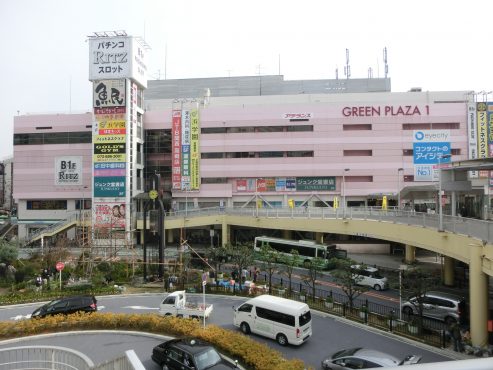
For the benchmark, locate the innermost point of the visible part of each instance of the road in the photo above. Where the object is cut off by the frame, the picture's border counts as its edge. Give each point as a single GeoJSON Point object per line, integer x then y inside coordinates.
{"type": "Point", "coordinates": [329, 333]}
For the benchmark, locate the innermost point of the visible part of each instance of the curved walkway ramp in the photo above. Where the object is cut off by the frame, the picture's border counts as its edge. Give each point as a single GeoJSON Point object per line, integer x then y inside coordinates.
{"type": "Point", "coordinates": [467, 240]}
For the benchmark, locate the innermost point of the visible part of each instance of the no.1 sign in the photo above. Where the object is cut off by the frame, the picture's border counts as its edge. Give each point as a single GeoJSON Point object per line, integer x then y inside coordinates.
{"type": "Point", "coordinates": [59, 266]}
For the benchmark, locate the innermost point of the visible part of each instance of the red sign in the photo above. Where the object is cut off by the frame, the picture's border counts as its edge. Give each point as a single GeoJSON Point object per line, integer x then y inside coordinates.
{"type": "Point", "coordinates": [60, 266]}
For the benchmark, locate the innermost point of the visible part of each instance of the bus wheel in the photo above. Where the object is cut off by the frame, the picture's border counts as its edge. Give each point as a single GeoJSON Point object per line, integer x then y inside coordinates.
{"type": "Point", "coordinates": [282, 340]}
{"type": "Point", "coordinates": [245, 328]}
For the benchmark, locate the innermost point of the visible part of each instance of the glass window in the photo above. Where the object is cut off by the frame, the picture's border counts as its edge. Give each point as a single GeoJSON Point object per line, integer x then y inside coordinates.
{"type": "Point", "coordinates": [56, 138]}
{"type": "Point", "coordinates": [46, 204]}
{"type": "Point", "coordinates": [270, 154]}
{"type": "Point", "coordinates": [301, 153]}
{"type": "Point", "coordinates": [169, 300]}
{"type": "Point", "coordinates": [245, 308]}
{"type": "Point", "coordinates": [305, 318]}
{"type": "Point", "coordinates": [300, 128]}
{"type": "Point", "coordinates": [270, 129]}
{"type": "Point", "coordinates": [213, 130]}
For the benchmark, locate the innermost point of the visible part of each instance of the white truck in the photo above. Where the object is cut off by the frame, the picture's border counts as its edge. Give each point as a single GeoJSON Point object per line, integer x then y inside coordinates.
{"type": "Point", "coordinates": [175, 304]}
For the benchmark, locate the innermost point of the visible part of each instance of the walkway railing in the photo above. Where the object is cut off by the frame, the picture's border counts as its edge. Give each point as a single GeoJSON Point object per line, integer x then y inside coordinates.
{"type": "Point", "coordinates": [480, 229]}
{"type": "Point", "coordinates": [53, 357]}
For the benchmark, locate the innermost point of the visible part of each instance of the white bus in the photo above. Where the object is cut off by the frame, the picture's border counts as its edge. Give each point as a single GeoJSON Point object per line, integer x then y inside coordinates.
{"type": "Point", "coordinates": [307, 249]}
{"type": "Point", "coordinates": [286, 321]}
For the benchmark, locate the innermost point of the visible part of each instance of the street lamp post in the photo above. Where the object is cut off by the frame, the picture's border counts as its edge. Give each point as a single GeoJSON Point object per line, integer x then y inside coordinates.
{"type": "Point", "coordinates": [440, 207]}
{"type": "Point", "coordinates": [344, 192]}
{"type": "Point", "coordinates": [399, 170]}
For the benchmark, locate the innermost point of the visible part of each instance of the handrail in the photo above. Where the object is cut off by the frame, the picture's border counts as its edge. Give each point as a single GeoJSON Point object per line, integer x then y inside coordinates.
{"type": "Point", "coordinates": [479, 229]}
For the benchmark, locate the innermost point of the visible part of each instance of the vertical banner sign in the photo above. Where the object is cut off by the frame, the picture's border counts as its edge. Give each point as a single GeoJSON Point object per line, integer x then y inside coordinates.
{"type": "Point", "coordinates": [473, 135]}
{"type": "Point", "coordinates": [194, 150]}
{"type": "Point", "coordinates": [176, 150]}
{"type": "Point", "coordinates": [185, 149]}
{"type": "Point", "coordinates": [489, 107]}
{"type": "Point", "coordinates": [482, 134]}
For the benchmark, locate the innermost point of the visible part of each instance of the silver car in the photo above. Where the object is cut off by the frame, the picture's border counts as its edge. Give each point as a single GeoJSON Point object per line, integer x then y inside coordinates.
{"type": "Point", "coordinates": [437, 305]}
{"type": "Point", "coordinates": [362, 358]}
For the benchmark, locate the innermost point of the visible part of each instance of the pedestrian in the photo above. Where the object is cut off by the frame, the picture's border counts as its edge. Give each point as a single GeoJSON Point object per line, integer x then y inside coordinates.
{"type": "Point", "coordinates": [255, 274]}
{"type": "Point", "coordinates": [38, 282]}
{"type": "Point", "coordinates": [456, 335]}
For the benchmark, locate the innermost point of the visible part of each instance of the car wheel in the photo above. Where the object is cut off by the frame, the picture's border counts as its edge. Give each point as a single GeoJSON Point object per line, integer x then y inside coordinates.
{"type": "Point", "coordinates": [377, 287]}
{"type": "Point", "coordinates": [408, 311]}
{"type": "Point", "coordinates": [245, 328]}
{"type": "Point", "coordinates": [282, 340]}
{"type": "Point", "coordinates": [165, 367]}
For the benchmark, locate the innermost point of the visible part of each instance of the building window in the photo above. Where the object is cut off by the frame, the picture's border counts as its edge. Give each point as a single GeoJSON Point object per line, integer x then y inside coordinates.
{"type": "Point", "coordinates": [46, 204]}
{"type": "Point", "coordinates": [359, 179]}
{"type": "Point", "coordinates": [361, 127]}
{"type": "Point", "coordinates": [299, 128]}
{"type": "Point", "coordinates": [77, 137]}
{"type": "Point", "coordinates": [431, 126]}
{"type": "Point", "coordinates": [213, 130]}
{"type": "Point", "coordinates": [300, 153]}
{"type": "Point", "coordinates": [269, 129]}
{"type": "Point", "coordinates": [455, 151]}
{"type": "Point", "coordinates": [214, 180]}
{"type": "Point", "coordinates": [212, 155]}
{"type": "Point", "coordinates": [407, 152]}
{"type": "Point", "coordinates": [239, 130]}
{"type": "Point", "coordinates": [408, 178]}
{"type": "Point", "coordinates": [270, 154]}
{"type": "Point", "coordinates": [358, 153]}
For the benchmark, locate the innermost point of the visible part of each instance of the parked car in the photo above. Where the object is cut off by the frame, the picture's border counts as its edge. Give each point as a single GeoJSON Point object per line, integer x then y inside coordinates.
{"type": "Point", "coordinates": [437, 305]}
{"type": "Point", "coordinates": [362, 358]}
{"type": "Point", "coordinates": [189, 354]}
{"type": "Point", "coordinates": [369, 276]}
{"type": "Point", "coordinates": [67, 306]}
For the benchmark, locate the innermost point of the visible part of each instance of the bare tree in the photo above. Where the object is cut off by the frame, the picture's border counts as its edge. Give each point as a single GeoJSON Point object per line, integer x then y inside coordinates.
{"type": "Point", "coordinates": [289, 263]}
{"type": "Point", "coordinates": [347, 277]}
{"type": "Point", "coordinates": [314, 270]}
{"type": "Point", "coordinates": [269, 257]}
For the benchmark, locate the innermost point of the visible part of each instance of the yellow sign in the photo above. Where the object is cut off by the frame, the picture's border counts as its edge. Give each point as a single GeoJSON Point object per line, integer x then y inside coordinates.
{"type": "Point", "coordinates": [109, 157]}
{"type": "Point", "coordinates": [100, 139]}
{"type": "Point", "coordinates": [336, 203]}
{"type": "Point", "coordinates": [111, 124]}
{"type": "Point", "coordinates": [384, 202]}
{"type": "Point", "coordinates": [291, 203]}
{"type": "Point", "coordinates": [194, 150]}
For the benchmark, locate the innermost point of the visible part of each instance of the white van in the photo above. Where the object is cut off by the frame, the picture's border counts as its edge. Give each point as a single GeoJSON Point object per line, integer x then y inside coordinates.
{"type": "Point", "coordinates": [286, 321]}
{"type": "Point", "coordinates": [369, 276]}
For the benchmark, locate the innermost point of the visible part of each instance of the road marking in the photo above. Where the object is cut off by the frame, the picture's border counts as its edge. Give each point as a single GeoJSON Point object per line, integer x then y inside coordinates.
{"type": "Point", "coordinates": [20, 317]}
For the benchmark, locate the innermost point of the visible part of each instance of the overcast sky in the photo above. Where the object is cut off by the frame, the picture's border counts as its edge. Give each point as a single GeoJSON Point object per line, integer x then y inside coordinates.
{"type": "Point", "coordinates": [436, 45]}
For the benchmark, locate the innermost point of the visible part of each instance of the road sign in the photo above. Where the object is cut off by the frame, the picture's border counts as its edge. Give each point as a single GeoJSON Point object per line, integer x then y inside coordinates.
{"type": "Point", "coordinates": [204, 283]}
{"type": "Point", "coordinates": [60, 266]}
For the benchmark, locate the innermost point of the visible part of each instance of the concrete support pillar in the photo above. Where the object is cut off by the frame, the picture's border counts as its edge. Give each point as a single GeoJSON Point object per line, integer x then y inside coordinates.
{"type": "Point", "coordinates": [448, 271]}
{"type": "Point", "coordinates": [410, 254]}
{"type": "Point", "coordinates": [287, 234]}
{"type": "Point", "coordinates": [319, 238]}
{"type": "Point", "coordinates": [453, 202]}
{"type": "Point", "coordinates": [225, 234]}
{"type": "Point", "coordinates": [478, 297]}
{"type": "Point", "coordinates": [169, 236]}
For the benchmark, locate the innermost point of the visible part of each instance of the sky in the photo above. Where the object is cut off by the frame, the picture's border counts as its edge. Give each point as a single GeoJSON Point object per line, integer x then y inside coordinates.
{"type": "Point", "coordinates": [436, 45]}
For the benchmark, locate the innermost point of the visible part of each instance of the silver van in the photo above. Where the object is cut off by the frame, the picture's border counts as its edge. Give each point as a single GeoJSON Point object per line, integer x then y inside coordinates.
{"type": "Point", "coordinates": [437, 305]}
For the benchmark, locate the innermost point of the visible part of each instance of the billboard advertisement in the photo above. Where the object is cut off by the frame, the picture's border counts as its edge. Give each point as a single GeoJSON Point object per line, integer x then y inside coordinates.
{"type": "Point", "coordinates": [118, 57]}
{"type": "Point", "coordinates": [473, 135]}
{"type": "Point", "coordinates": [194, 149]}
{"type": "Point", "coordinates": [185, 149]}
{"type": "Point", "coordinates": [110, 215]}
{"type": "Point", "coordinates": [428, 147]}
{"type": "Point", "coordinates": [68, 170]}
{"type": "Point", "coordinates": [109, 93]}
{"type": "Point", "coordinates": [109, 186]}
{"type": "Point", "coordinates": [176, 149]}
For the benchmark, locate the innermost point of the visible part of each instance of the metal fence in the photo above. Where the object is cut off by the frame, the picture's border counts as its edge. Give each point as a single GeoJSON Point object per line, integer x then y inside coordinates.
{"type": "Point", "coordinates": [377, 315]}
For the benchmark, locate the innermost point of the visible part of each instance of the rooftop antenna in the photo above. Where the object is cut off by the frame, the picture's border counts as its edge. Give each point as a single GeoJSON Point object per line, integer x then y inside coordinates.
{"type": "Point", "coordinates": [386, 66]}
{"type": "Point", "coordinates": [279, 64]}
{"type": "Point", "coordinates": [347, 67]}
{"type": "Point", "coordinates": [370, 72]}
{"type": "Point", "coordinates": [337, 73]}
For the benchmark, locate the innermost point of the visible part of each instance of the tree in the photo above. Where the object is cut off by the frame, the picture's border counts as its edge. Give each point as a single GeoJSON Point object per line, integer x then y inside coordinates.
{"type": "Point", "coordinates": [289, 262]}
{"type": "Point", "coordinates": [8, 252]}
{"type": "Point", "coordinates": [242, 257]}
{"type": "Point", "coordinates": [269, 257]}
{"type": "Point", "coordinates": [216, 256]}
{"type": "Point", "coordinates": [415, 283]}
{"type": "Point", "coordinates": [346, 276]}
{"type": "Point", "coordinates": [314, 270]}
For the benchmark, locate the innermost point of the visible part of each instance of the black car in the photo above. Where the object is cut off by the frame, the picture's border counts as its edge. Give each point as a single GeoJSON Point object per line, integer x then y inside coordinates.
{"type": "Point", "coordinates": [67, 306]}
{"type": "Point", "coordinates": [189, 354]}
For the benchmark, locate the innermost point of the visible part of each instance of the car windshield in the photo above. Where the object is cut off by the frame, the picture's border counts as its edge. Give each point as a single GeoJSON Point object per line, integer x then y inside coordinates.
{"type": "Point", "coordinates": [52, 303]}
{"type": "Point", "coordinates": [345, 352]}
{"type": "Point", "coordinates": [207, 359]}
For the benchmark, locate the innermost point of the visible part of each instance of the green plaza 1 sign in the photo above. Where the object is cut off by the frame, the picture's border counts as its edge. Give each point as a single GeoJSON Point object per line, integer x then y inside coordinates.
{"type": "Point", "coordinates": [315, 183]}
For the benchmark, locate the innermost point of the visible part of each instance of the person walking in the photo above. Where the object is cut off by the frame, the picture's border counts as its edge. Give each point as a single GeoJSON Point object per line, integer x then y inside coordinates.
{"type": "Point", "coordinates": [456, 335]}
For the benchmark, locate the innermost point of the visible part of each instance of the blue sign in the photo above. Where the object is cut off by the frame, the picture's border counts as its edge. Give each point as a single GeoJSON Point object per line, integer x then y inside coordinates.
{"type": "Point", "coordinates": [430, 152]}
{"type": "Point", "coordinates": [109, 187]}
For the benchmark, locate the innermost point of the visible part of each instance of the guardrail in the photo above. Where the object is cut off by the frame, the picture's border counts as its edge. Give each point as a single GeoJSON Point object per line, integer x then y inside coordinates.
{"type": "Point", "coordinates": [53, 357]}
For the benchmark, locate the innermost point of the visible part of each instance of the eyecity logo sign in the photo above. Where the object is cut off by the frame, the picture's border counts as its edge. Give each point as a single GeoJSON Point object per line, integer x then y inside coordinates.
{"type": "Point", "coordinates": [432, 136]}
